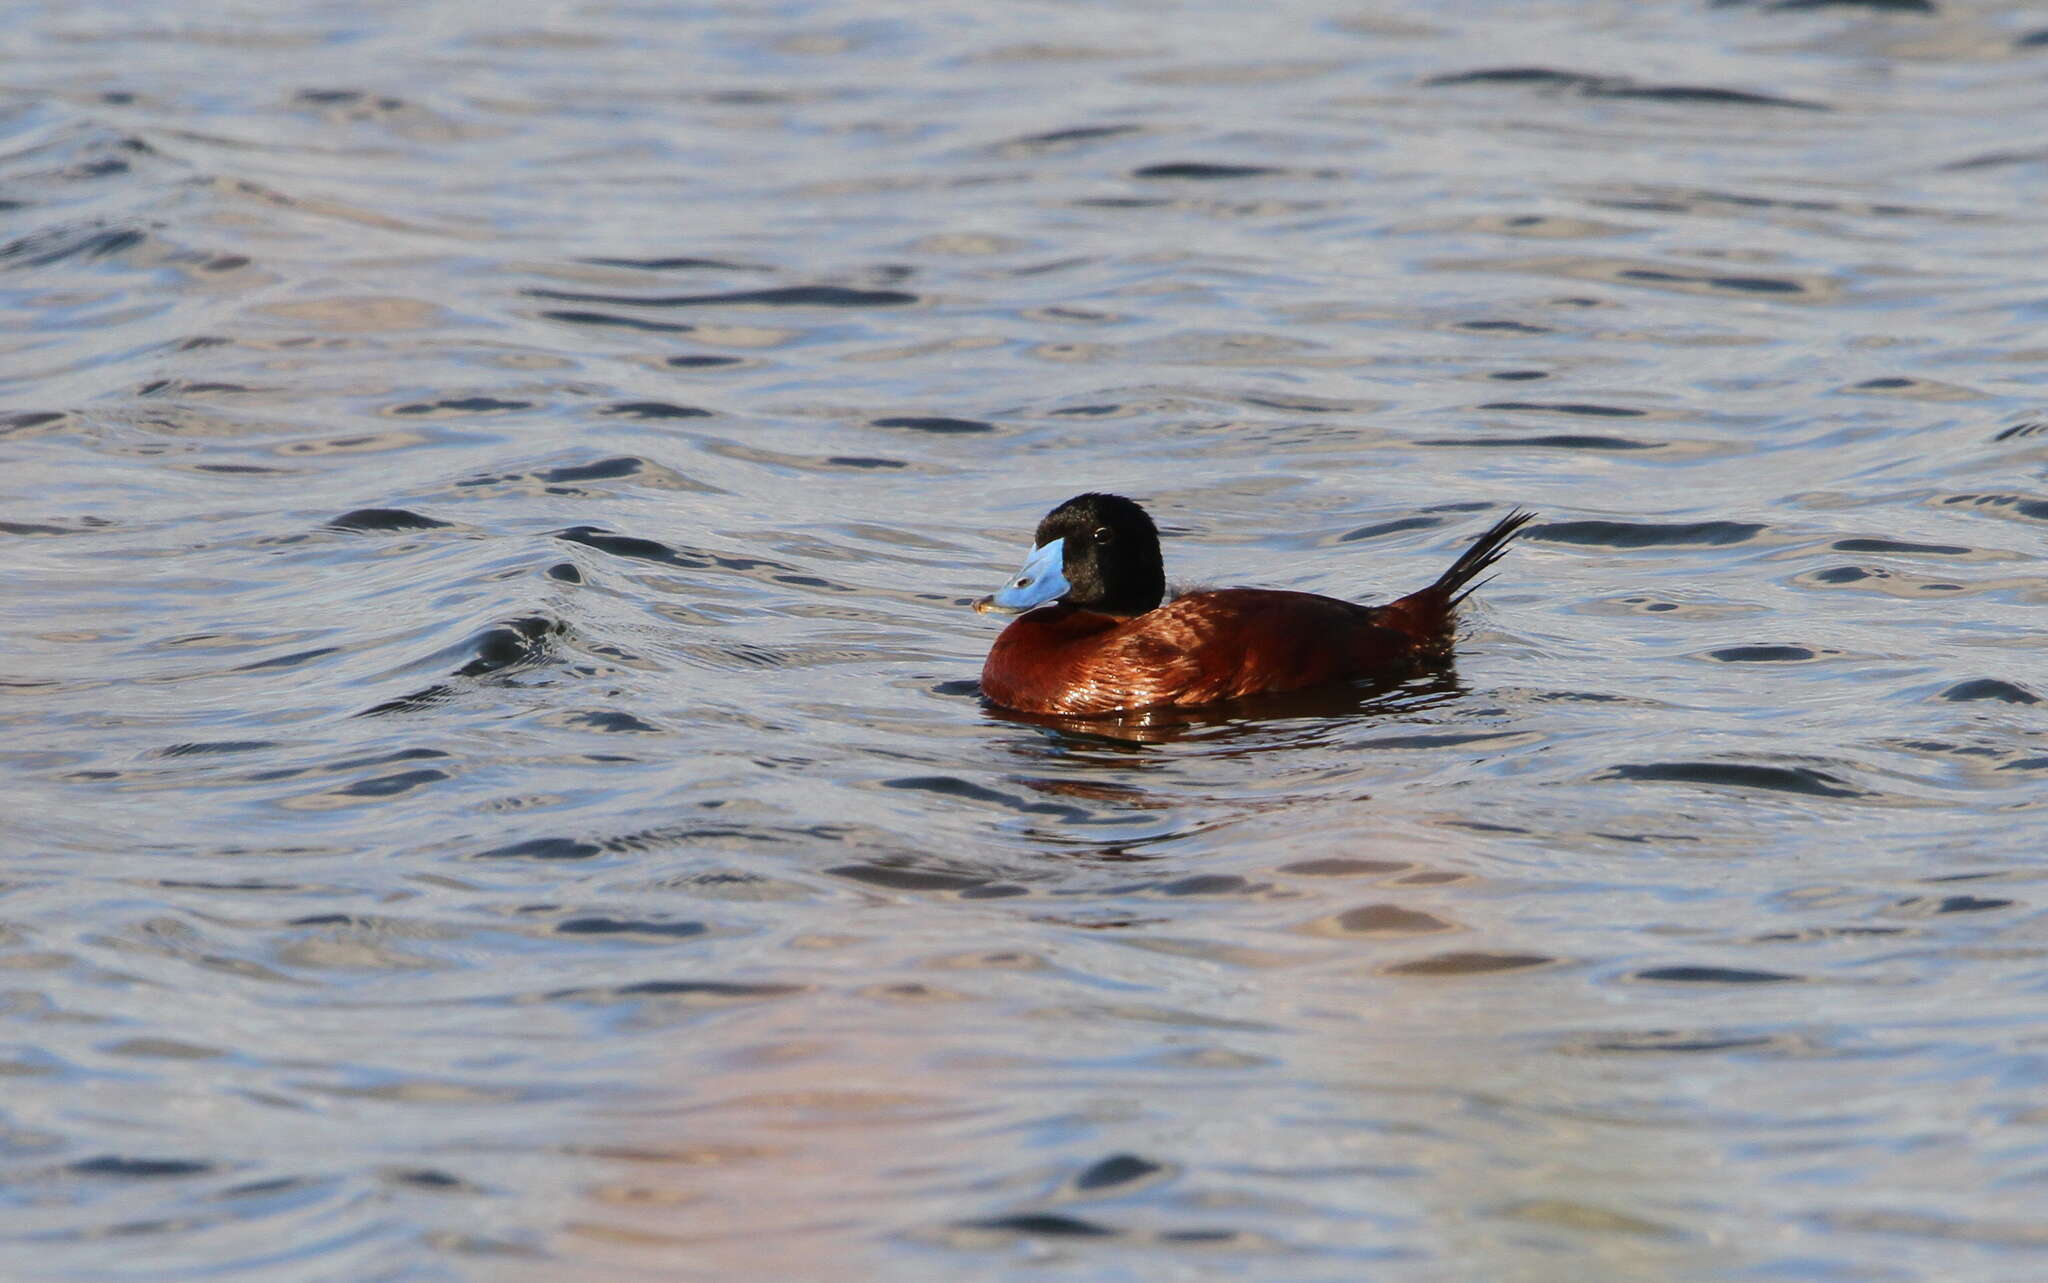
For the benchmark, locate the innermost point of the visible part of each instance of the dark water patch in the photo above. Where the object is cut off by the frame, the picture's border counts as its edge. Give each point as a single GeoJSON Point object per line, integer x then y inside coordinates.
{"type": "Point", "coordinates": [1740, 284]}
{"type": "Point", "coordinates": [632, 547]}
{"type": "Point", "coordinates": [202, 748]}
{"type": "Point", "coordinates": [1207, 884]}
{"type": "Point", "coordinates": [141, 1168]}
{"type": "Point", "coordinates": [292, 660]}
{"type": "Point", "coordinates": [181, 387]}
{"type": "Point", "coordinates": [555, 848]}
{"type": "Point", "coordinates": [384, 521]}
{"type": "Point", "coordinates": [2032, 40]}
{"type": "Point", "coordinates": [1089, 411]}
{"type": "Point", "coordinates": [1502, 327]}
{"type": "Point", "coordinates": [1118, 1170]}
{"type": "Point", "coordinates": [1807, 935]}
{"type": "Point", "coordinates": [392, 785]}
{"type": "Point", "coordinates": [1078, 134]}
{"type": "Point", "coordinates": [1899, 546]}
{"type": "Point", "coordinates": [637, 549]}
{"type": "Point", "coordinates": [934, 423]}
{"type": "Point", "coordinates": [1555, 441]}
{"type": "Point", "coordinates": [864, 461]}
{"type": "Point", "coordinates": [966, 687]}
{"type": "Point", "coordinates": [628, 926]}
{"type": "Point", "coordinates": [1341, 866]}
{"type": "Point", "coordinates": [1931, 905]}
{"type": "Point", "coordinates": [1202, 170]}
{"type": "Point", "coordinates": [1441, 739]}
{"type": "Point", "coordinates": [1207, 1236]}
{"type": "Point", "coordinates": [2031, 428]}
{"type": "Point", "coordinates": [1999, 159]}
{"type": "Point", "coordinates": [1044, 1225]}
{"type": "Point", "coordinates": [247, 884]}
{"type": "Point", "coordinates": [1781, 779]}
{"type": "Point", "coordinates": [653, 410]}
{"type": "Point", "coordinates": [1708, 95]}
{"type": "Point", "coordinates": [1714, 976]}
{"type": "Point", "coordinates": [994, 891]}
{"type": "Point", "coordinates": [952, 786]}
{"type": "Point", "coordinates": [787, 296]}
{"type": "Point", "coordinates": [37, 529]}
{"type": "Point", "coordinates": [1593, 86]}
{"type": "Point", "coordinates": [430, 1178]}
{"type": "Point", "coordinates": [564, 572]}
{"type": "Point", "coordinates": [1389, 528]}
{"type": "Point", "coordinates": [27, 420]}
{"type": "Point", "coordinates": [1942, 748]}
{"type": "Point", "coordinates": [58, 244]}
{"type": "Point", "coordinates": [1681, 1042]}
{"type": "Point", "coordinates": [900, 878]}
{"type": "Point", "coordinates": [602, 319]}
{"type": "Point", "coordinates": [2018, 505]}
{"type": "Point", "coordinates": [683, 264]}
{"type": "Point", "coordinates": [700, 361]}
{"type": "Point", "coordinates": [1469, 963]}
{"type": "Point", "coordinates": [617, 468]}
{"type": "Point", "coordinates": [706, 991]}
{"type": "Point", "coordinates": [1884, 384]}
{"type": "Point", "coordinates": [1844, 575]}
{"type": "Point", "coordinates": [417, 701]}
{"type": "Point", "coordinates": [352, 763]}
{"type": "Point", "coordinates": [1582, 408]}
{"type": "Point", "coordinates": [1761, 654]}
{"type": "Point", "coordinates": [1518, 376]}
{"type": "Point", "coordinates": [1989, 688]}
{"type": "Point", "coordinates": [1542, 77]}
{"type": "Point", "coordinates": [1388, 919]}
{"type": "Point", "coordinates": [1634, 534]}
{"type": "Point", "coordinates": [613, 722]}
{"type": "Point", "coordinates": [275, 1185]}
{"type": "Point", "coordinates": [461, 405]}
{"type": "Point", "coordinates": [85, 171]}
{"type": "Point", "coordinates": [515, 642]}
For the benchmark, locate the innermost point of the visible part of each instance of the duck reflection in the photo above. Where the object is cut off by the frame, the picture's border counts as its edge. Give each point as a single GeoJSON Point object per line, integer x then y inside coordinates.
{"type": "Point", "coordinates": [1261, 718]}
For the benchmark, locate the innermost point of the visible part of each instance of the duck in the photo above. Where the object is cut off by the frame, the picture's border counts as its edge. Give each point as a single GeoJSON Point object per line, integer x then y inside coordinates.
{"type": "Point", "coordinates": [1096, 633]}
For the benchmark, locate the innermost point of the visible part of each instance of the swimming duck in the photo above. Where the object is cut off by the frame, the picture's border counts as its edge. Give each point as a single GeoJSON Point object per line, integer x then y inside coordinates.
{"type": "Point", "coordinates": [1093, 636]}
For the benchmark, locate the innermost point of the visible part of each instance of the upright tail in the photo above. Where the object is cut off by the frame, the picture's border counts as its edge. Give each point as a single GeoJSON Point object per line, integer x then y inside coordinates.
{"type": "Point", "coordinates": [1485, 550]}
{"type": "Point", "coordinates": [1425, 615]}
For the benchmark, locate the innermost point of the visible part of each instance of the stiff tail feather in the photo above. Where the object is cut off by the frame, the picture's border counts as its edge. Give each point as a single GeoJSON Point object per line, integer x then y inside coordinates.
{"type": "Point", "coordinates": [1480, 557]}
{"type": "Point", "coordinates": [1425, 615]}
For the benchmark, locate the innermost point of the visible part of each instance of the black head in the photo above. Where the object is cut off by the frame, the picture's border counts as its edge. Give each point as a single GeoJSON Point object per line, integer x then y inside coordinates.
{"type": "Point", "coordinates": [1112, 561]}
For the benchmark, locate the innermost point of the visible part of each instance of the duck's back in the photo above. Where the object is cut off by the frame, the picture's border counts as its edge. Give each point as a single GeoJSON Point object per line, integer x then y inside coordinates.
{"type": "Point", "coordinates": [1197, 649]}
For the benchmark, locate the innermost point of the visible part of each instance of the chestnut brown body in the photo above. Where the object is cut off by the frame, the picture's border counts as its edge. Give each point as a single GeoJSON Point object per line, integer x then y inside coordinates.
{"type": "Point", "coordinates": [1211, 646]}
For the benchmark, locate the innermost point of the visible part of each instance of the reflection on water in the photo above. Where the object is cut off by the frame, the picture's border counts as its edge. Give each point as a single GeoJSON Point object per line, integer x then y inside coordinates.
{"type": "Point", "coordinates": [498, 788]}
{"type": "Point", "coordinates": [1260, 721]}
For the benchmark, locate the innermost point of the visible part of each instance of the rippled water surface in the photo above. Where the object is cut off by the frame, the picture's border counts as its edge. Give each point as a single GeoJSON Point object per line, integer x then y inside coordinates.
{"type": "Point", "coordinates": [494, 781]}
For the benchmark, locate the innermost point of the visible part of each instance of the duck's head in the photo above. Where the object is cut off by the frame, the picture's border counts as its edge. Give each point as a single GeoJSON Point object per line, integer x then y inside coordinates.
{"type": "Point", "coordinates": [1096, 551]}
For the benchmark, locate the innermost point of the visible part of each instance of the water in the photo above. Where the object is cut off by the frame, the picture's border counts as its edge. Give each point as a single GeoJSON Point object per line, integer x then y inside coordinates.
{"type": "Point", "coordinates": [493, 779]}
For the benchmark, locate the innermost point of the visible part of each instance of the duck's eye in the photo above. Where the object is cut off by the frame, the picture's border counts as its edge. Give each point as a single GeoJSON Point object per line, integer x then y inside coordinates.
{"type": "Point", "coordinates": [1023, 581]}
{"type": "Point", "coordinates": [1103, 534]}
